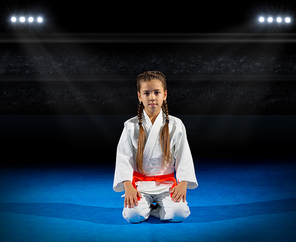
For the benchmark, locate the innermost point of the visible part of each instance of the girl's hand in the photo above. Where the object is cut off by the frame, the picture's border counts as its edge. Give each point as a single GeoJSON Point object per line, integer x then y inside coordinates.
{"type": "Point", "coordinates": [131, 195]}
{"type": "Point", "coordinates": [179, 192]}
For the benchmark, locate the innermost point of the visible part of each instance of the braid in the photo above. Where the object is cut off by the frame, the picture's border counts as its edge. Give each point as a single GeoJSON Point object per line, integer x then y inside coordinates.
{"type": "Point", "coordinates": [165, 110]}
{"type": "Point", "coordinates": [141, 141]}
{"type": "Point", "coordinates": [165, 138]}
{"type": "Point", "coordinates": [160, 75]}
{"type": "Point", "coordinates": [140, 111]}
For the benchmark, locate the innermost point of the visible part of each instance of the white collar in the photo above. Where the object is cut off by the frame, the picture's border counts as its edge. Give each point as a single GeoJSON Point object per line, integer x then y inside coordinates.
{"type": "Point", "coordinates": [147, 121]}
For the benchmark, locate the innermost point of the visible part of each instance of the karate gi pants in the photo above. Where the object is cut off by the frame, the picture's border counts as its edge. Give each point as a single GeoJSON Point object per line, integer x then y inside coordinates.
{"type": "Point", "coordinates": [167, 209]}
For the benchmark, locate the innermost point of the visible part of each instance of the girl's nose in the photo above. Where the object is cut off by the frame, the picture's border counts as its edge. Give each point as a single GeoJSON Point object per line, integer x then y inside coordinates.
{"type": "Point", "coordinates": [152, 96]}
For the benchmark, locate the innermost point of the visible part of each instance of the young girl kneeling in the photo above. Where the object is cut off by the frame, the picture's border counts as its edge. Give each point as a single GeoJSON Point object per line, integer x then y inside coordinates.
{"type": "Point", "coordinates": [152, 147]}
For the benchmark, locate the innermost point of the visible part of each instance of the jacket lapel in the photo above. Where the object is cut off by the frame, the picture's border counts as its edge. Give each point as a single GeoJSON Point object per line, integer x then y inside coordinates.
{"type": "Point", "coordinates": [152, 132]}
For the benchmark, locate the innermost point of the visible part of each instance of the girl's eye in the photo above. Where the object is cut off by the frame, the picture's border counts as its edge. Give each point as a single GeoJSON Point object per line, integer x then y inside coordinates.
{"type": "Point", "coordinates": [156, 93]}
{"type": "Point", "coordinates": [146, 93]}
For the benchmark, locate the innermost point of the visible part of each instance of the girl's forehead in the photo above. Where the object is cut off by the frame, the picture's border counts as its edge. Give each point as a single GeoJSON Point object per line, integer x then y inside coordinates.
{"type": "Point", "coordinates": [152, 84]}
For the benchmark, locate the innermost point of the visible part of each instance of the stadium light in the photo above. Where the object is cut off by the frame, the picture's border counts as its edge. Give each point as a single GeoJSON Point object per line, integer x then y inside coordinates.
{"type": "Point", "coordinates": [261, 19]}
{"type": "Point", "coordinates": [270, 19]}
{"type": "Point", "coordinates": [29, 19]}
{"type": "Point", "coordinates": [22, 19]}
{"type": "Point", "coordinates": [13, 19]}
{"type": "Point", "coordinates": [287, 19]}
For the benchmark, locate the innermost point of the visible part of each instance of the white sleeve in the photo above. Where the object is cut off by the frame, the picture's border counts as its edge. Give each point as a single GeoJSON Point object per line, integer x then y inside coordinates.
{"type": "Point", "coordinates": [184, 163]}
{"type": "Point", "coordinates": [124, 161]}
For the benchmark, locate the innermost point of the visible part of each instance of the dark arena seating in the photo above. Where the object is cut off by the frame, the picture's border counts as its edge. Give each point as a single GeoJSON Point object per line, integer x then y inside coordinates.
{"type": "Point", "coordinates": [202, 78]}
{"type": "Point", "coordinates": [27, 59]}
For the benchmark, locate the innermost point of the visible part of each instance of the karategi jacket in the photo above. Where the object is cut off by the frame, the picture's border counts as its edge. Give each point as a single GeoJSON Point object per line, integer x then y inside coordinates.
{"type": "Point", "coordinates": [182, 162]}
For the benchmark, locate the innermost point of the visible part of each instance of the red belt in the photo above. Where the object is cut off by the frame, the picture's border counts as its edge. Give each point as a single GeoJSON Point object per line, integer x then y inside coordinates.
{"type": "Point", "coordinates": [140, 177]}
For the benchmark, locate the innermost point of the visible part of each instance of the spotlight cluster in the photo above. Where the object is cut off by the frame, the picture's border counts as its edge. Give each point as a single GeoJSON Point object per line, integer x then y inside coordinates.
{"type": "Point", "coordinates": [271, 19]}
{"type": "Point", "coordinates": [28, 19]}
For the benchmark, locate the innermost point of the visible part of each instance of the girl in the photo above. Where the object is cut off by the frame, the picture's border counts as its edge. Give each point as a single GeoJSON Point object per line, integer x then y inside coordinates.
{"type": "Point", "coordinates": [151, 148]}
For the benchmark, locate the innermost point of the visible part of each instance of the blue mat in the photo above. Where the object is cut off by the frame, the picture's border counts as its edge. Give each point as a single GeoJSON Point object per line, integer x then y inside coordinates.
{"type": "Point", "coordinates": [255, 202]}
{"type": "Point", "coordinates": [101, 215]}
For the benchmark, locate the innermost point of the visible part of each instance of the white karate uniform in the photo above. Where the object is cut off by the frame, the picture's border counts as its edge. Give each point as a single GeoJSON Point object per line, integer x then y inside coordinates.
{"type": "Point", "coordinates": [182, 164]}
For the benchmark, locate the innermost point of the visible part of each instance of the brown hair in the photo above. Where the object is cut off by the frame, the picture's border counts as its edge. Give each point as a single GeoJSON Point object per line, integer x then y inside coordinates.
{"type": "Point", "coordinates": [164, 134]}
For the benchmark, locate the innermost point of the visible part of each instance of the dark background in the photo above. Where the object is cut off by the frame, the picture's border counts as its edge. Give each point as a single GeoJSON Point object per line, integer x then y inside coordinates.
{"type": "Point", "coordinates": [79, 113]}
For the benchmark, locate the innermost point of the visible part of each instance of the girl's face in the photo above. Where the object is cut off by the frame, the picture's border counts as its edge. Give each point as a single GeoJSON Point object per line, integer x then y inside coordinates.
{"type": "Point", "coordinates": [152, 94]}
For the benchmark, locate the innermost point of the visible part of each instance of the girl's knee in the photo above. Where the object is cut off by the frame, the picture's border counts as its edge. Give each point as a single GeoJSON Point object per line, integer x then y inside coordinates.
{"type": "Point", "coordinates": [181, 212]}
{"type": "Point", "coordinates": [177, 212]}
{"type": "Point", "coordinates": [136, 214]}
